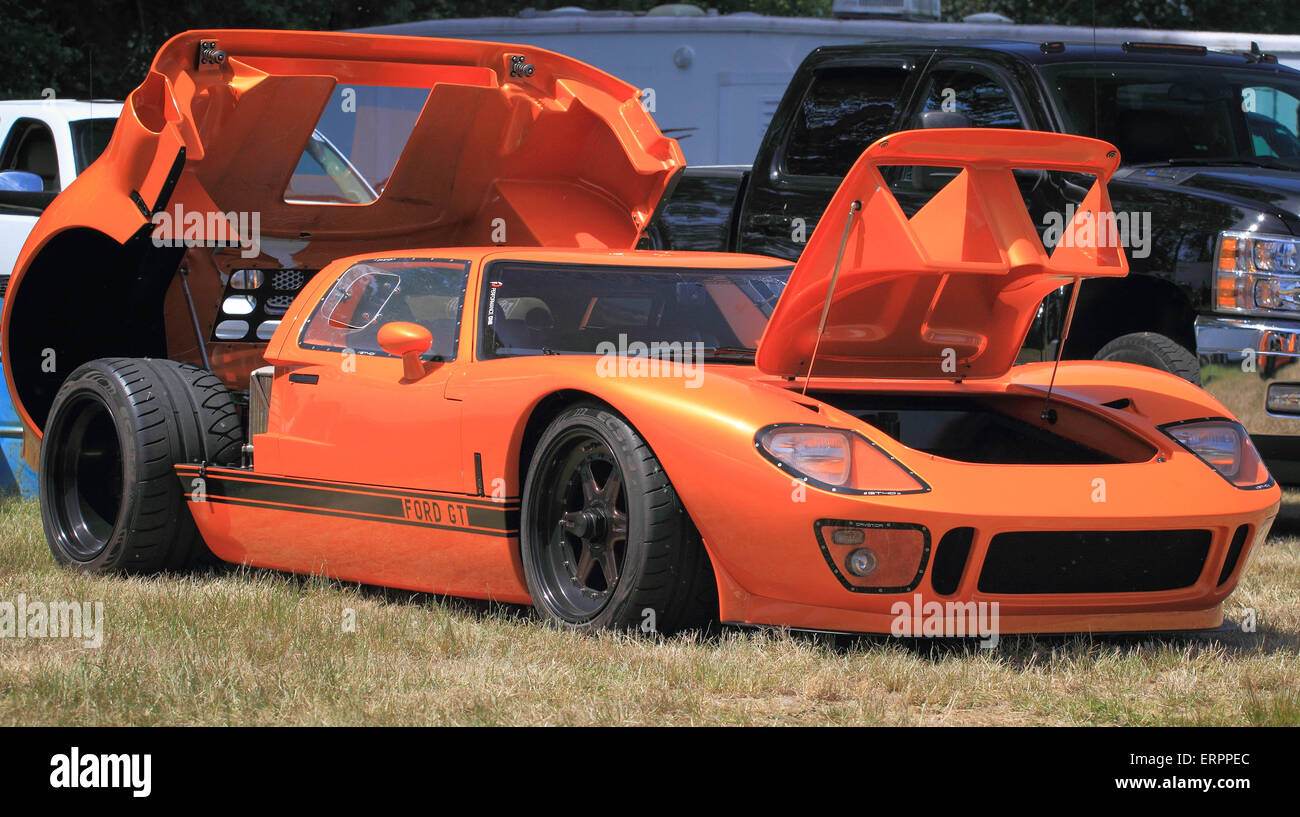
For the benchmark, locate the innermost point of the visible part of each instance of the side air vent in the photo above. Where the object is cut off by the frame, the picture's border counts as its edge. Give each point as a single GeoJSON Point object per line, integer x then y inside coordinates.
{"type": "Point", "coordinates": [950, 560]}
{"type": "Point", "coordinates": [1234, 553]}
{"type": "Point", "coordinates": [259, 400]}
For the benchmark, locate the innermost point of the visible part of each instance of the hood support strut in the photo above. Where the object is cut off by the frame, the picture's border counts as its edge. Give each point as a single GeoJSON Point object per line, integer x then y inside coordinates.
{"type": "Point", "coordinates": [830, 293]}
{"type": "Point", "coordinates": [1049, 414]}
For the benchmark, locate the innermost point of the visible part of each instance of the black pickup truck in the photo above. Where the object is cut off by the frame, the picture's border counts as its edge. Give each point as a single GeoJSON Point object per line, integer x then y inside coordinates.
{"type": "Point", "coordinates": [1207, 200]}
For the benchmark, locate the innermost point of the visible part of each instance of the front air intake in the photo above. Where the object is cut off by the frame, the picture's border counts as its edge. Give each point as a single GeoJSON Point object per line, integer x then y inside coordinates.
{"type": "Point", "coordinates": [1138, 561]}
{"type": "Point", "coordinates": [950, 557]}
{"type": "Point", "coordinates": [1234, 553]}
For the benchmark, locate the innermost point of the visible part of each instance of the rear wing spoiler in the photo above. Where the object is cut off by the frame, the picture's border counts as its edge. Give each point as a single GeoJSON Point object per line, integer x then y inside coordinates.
{"type": "Point", "coordinates": [997, 236]}
{"type": "Point", "coordinates": [963, 276]}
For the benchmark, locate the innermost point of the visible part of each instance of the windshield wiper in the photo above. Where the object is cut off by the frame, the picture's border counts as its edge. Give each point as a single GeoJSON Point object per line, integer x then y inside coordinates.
{"type": "Point", "coordinates": [737, 353]}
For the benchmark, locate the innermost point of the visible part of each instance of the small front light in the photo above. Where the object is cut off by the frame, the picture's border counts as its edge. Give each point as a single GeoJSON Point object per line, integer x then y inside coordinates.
{"type": "Point", "coordinates": [848, 536]}
{"type": "Point", "coordinates": [1264, 253]}
{"type": "Point", "coordinates": [861, 562]}
{"type": "Point", "coordinates": [1224, 446]}
{"type": "Point", "coordinates": [821, 454]}
{"type": "Point", "coordinates": [1284, 398]}
{"type": "Point", "coordinates": [1268, 294]}
{"type": "Point", "coordinates": [835, 459]}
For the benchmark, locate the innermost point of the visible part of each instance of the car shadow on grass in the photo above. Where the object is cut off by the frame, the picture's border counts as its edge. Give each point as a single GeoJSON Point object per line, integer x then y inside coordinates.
{"type": "Point", "coordinates": [1014, 649]}
{"type": "Point", "coordinates": [481, 610]}
{"type": "Point", "coordinates": [1024, 650]}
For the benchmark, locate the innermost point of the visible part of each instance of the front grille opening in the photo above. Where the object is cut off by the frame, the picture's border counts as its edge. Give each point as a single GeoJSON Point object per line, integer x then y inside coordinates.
{"type": "Point", "coordinates": [1234, 553]}
{"type": "Point", "coordinates": [1094, 561]}
{"type": "Point", "coordinates": [950, 560]}
{"type": "Point", "coordinates": [995, 428]}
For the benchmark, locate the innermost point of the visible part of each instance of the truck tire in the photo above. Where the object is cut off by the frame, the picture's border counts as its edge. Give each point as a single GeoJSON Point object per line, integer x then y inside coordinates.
{"type": "Point", "coordinates": [1154, 350]}
{"type": "Point", "coordinates": [110, 498]}
{"type": "Point", "coordinates": [605, 541]}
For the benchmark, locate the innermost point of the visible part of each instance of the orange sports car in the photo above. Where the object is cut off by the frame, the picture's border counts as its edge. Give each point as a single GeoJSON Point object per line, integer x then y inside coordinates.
{"type": "Point", "coordinates": [493, 395]}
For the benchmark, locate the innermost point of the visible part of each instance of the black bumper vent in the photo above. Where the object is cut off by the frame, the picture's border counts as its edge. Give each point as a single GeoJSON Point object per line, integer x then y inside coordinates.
{"type": "Point", "coordinates": [1094, 561]}
{"type": "Point", "coordinates": [950, 560]}
{"type": "Point", "coordinates": [1234, 553]}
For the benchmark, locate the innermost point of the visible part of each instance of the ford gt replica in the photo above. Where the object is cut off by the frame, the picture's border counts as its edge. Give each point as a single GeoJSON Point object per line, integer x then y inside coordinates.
{"type": "Point", "coordinates": [553, 417]}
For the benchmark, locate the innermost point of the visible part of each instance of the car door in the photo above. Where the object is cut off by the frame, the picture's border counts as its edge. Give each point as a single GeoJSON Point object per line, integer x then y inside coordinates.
{"type": "Point", "coordinates": [343, 409]}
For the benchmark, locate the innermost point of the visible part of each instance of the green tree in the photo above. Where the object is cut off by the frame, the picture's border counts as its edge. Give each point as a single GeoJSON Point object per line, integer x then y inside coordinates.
{"type": "Point", "coordinates": [105, 49]}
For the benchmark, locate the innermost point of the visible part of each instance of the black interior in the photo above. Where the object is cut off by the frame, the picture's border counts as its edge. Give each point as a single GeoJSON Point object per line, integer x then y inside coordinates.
{"type": "Point", "coordinates": [963, 429]}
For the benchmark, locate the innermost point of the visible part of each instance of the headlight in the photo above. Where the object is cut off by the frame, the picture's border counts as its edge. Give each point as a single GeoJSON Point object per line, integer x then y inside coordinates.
{"type": "Point", "coordinates": [1224, 446]}
{"type": "Point", "coordinates": [835, 459]}
{"type": "Point", "coordinates": [1257, 273]}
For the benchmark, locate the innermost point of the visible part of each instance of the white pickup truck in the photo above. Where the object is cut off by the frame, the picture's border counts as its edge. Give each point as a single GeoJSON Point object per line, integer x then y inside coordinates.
{"type": "Point", "coordinates": [44, 144]}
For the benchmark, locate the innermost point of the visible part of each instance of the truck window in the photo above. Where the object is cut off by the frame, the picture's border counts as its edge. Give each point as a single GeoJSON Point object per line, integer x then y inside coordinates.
{"type": "Point", "coordinates": [844, 111]}
{"type": "Point", "coordinates": [1271, 121]}
{"type": "Point", "coordinates": [373, 293]}
{"type": "Point", "coordinates": [975, 95]}
{"type": "Point", "coordinates": [30, 147]}
{"type": "Point", "coordinates": [1185, 113]}
{"type": "Point", "coordinates": [89, 138]}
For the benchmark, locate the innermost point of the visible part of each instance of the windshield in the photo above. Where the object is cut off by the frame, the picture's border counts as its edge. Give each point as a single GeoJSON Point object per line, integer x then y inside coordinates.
{"type": "Point", "coordinates": [1182, 114]}
{"type": "Point", "coordinates": [530, 308]}
{"type": "Point", "coordinates": [89, 138]}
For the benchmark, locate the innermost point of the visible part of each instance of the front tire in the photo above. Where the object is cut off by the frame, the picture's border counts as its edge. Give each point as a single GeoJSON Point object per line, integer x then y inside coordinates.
{"type": "Point", "coordinates": [110, 498]}
{"type": "Point", "coordinates": [606, 543]}
{"type": "Point", "coordinates": [1154, 350]}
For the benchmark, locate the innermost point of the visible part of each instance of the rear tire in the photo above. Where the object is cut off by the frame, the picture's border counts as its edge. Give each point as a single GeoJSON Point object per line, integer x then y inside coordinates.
{"type": "Point", "coordinates": [606, 543]}
{"type": "Point", "coordinates": [1154, 350]}
{"type": "Point", "coordinates": [110, 498]}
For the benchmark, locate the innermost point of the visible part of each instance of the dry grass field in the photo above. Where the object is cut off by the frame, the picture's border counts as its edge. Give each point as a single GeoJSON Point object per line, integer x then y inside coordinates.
{"type": "Point", "coordinates": [257, 647]}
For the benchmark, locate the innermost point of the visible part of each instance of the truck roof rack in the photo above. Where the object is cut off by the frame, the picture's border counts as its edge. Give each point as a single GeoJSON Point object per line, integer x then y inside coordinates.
{"type": "Point", "coordinates": [1254, 55]}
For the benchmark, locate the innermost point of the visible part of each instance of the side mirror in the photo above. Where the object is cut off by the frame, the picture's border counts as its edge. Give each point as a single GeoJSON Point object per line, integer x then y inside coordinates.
{"type": "Point", "coordinates": [21, 181]}
{"type": "Point", "coordinates": [944, 119]}
{"type": "Point", "coordinates": [931, 179]}
{"type": "Point", "coordinates": [408, 341]}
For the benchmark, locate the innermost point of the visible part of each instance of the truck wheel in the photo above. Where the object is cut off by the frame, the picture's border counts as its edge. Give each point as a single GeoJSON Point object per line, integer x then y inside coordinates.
{"type": "Point", "coordinates": [1154, 350]}
{"type": "Point", "coordinates": [606, 543]}
{"type": "Point", "coordinates": [110, 499]}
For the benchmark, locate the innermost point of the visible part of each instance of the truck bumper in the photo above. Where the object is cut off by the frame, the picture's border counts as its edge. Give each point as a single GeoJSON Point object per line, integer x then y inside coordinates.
{"type": "Point", "coordinates": [1252, 366]}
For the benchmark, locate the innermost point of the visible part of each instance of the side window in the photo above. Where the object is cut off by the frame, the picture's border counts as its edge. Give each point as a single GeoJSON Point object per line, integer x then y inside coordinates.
{"type": "Point", "coordinates": [844, 111]}
{"type": "Point", "coordinates": [974, 95]}
{"type": "Point", "coordinates": [1272, 118]}
{"type": "Point", "coordinates": [30, 147]}
{"type": "Point", "coordinates": [373, 293]}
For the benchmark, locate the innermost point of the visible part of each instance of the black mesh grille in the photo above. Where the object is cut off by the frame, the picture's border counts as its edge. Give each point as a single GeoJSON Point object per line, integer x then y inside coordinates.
{"type": "Point", "coordinates": [1234, 552]}
{"type": "Point", "coordinates": [265, 303]}
{"type": "Point", "coordinates": [950, 560]}
{"type": "Point", "coordinates": [1094, 561]}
